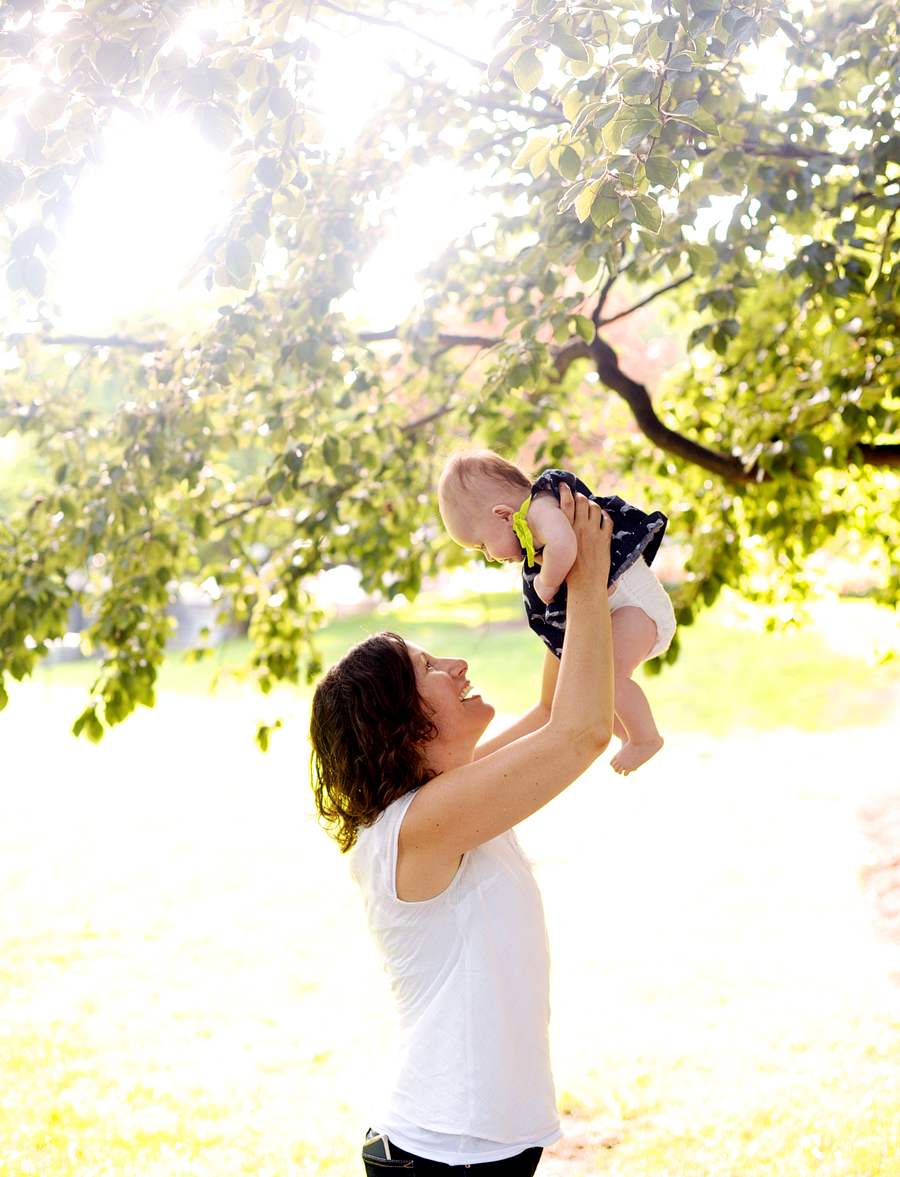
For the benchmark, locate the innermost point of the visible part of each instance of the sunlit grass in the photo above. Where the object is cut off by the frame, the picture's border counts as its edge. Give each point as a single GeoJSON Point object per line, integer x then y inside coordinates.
{"type": "Point", "coordinates": [187, 987]}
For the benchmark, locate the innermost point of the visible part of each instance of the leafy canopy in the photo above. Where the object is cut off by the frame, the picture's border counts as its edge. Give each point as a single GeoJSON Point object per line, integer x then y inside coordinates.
{"type": "Point", "coordinates": [284, 437]}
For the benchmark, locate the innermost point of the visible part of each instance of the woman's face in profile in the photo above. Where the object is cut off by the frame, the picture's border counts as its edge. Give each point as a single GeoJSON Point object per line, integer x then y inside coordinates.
{"type": "Point", "coordinates": [457, 711]}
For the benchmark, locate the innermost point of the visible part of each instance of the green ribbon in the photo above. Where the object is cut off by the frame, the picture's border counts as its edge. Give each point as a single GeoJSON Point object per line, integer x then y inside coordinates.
{"type": "Point", "coordinates": [523, 531]}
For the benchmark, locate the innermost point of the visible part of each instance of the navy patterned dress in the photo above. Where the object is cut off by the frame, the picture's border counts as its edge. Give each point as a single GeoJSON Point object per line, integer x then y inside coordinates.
{"type": "Point", "coordinates": [636, 535]}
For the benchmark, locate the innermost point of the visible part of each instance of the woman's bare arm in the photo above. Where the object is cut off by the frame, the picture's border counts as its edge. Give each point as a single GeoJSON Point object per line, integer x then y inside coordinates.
{"type": "Point", "coordinates": [467, 806]}
{"type": "Point", "coordinates": [533, 719]}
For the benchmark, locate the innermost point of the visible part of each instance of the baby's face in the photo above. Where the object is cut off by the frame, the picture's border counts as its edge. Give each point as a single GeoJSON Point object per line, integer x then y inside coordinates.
{"type": "Point", "coordinates": [485, 529]}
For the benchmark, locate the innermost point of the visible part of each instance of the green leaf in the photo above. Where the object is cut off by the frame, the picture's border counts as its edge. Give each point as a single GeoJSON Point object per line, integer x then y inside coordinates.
{"type": "Point", "coordinates": [647, 212]}
{"type": "Point", "coordinates": [34, 276]}
{"type": "Point", "coordinates": [606, 112]}
{"type": "Point", "coordinates": [47, 108]}
{"type": "Point", "coordinates": [680, 63]}
{"type": "Point", "coordinates": [569, 164]}
{"type": "Point", "coordinates": [614, 130]}
{"type": "Point", "coordinates": [113, 60]}
{"type": "Point", "coordinates": [789, 31]}
{"type": "Point", "coordinates": [701, 120]}
{"type": "Point", "coordinates": [264, 732]}
{"type": "Point", "coordinates": [587, 112]}
{"type": "Point", "coordinates": [585, 328]}
{"type": "Point", "coordinates": [636, 130]}
{"type": "Point", "coordinates": [637, 82]}
{"type": "Point", "coordinates": [498, 61]}
{"type": "Point", "coordinates": [574, 49]}
{"type": "Point", "coordinates": [313, 127]}
{"type": "Point", "coordinates": [238, 259]}
{"type": "Point", "coordinates": [745, 29]}
{"type": "Point", "coordinates": [530, 150]}
{"type": "Point", "coordinates": [667, 29]}
{"type": "Point", "coordinates": [269, 171]}
{"type": "Point", "coordinates": [281, 102]}
{"type": "Point", "coordinates": [225, 84]}
{"type": "Point", "coordinates": [570, 195]}
{"type": "Point", "coordinates": [539, 160]}
{"type": "Point", "coordinates": [603, 210]}
{"type": "Point", "coordinates": [702, 257]}
{"type": "Point", "coordinates": [527, 70]}
{"type": "Point", "coordinates": [660, 169]}
{"type": "Point", "coordinates": [239, 177]}
{"type": "Point", "coordinates": [11, 179]}
{"type": "Point", "coordinates": [197, 82]}
{"type": "Point", "coordinates": [586, 269]}
{"type": "Point", "coordinates": [585, 200]}
{"type": "Point", "coordinates": [88, 723]}
{"type": "Point", "coordinates": [217, 125]}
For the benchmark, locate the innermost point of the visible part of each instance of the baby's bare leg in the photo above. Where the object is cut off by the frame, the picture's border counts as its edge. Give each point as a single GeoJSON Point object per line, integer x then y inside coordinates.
{"type": "Point", "coordinates": [633, 634]}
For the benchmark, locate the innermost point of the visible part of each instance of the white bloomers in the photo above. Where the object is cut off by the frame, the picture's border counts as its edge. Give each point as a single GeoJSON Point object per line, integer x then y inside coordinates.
{"type": "Point", "coordinates": [639, 587]}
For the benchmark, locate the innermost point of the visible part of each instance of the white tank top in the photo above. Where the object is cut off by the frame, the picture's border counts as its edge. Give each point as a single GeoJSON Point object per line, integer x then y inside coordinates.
{"type": "Point", "coordinates": [469, 971]}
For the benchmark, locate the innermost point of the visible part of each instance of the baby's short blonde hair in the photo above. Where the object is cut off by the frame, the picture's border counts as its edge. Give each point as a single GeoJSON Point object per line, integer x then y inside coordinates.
{"type": "Point", "coordinates": [466, 468]}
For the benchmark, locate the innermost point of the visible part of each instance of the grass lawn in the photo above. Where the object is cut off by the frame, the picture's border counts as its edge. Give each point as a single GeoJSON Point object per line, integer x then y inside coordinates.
{"type": "Point", "coordinates": [186, 984]}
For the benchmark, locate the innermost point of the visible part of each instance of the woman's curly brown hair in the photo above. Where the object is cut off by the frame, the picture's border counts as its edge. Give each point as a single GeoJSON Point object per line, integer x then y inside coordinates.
{"type": "Point", "coordinates": [368, 729]}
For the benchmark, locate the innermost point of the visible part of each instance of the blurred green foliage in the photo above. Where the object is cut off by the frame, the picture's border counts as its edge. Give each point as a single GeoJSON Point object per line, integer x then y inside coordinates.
{"type": "Point", "coordinates": [285, 439]}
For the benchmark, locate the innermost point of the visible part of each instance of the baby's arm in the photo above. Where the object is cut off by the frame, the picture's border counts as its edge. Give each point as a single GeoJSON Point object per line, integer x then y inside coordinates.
{"type": "Point", "coordinates": [552, 529]}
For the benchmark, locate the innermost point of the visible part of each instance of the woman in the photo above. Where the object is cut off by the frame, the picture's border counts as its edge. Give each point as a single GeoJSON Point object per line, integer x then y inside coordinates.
{"type": "Point", "coordinates": [451, 902]}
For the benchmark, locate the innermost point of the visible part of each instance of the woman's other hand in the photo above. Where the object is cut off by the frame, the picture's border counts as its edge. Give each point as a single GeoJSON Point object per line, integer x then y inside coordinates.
{"type": "Point", "coordinates": [593, 530]}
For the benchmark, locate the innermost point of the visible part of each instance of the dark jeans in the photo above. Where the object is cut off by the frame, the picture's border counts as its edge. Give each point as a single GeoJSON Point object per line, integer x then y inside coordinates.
{"type": "Point", "coordinates": [401, 1162]}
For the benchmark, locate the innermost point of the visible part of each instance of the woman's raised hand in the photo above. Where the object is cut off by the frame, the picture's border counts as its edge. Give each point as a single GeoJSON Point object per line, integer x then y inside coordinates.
{"type": "Point", "coordinates": [593, 530]}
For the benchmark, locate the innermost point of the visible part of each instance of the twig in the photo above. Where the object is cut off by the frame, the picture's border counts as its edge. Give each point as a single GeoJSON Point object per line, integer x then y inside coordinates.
{"type": "Point", "coordinates": [644, 301]}
{"type": "Point", "coordinates": [123, 341]}
{"type": "Point", "coordinates": [446, 340]}
{"type": "Point", "coordinates": [396, 24]}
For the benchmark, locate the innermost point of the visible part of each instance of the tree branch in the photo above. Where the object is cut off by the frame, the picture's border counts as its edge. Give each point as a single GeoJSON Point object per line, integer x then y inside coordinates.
{"type": "Point", "coordinates": [792, 151]}
{"type": "Point", "coordinates": [122, 341]}
{"type": "Point", "coordinates": [396, 24]}
{"type": "Point", "coordinates": [445, 339]}
{"type": "Point", "coordinates": [223, 520]}
{"type": "Point", "coordinates": [644, 301]}
{"type": "Point", "coordinates": [601, 301]}
{"type": "Point", "coordinates": [724, 466]}
{"type": "Point", "coordinates": [637, 398]}
{"type": "Point", "coordinates": [412, 426]}
{"type": "Point", "coordinates": [879, 455]}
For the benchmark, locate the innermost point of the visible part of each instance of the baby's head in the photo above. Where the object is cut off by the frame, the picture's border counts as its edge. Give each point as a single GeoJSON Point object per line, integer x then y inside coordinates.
{"type": "Point", "coordinates": [478, 494]}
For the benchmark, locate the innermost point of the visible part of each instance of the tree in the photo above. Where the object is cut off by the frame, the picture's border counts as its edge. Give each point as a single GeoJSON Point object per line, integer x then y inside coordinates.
{"type": "Point", "coordinates": [285, 437]}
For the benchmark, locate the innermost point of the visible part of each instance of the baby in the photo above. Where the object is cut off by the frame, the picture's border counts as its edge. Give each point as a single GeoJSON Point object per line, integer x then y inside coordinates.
{"type": "Point", "coordinates": [481, 497]}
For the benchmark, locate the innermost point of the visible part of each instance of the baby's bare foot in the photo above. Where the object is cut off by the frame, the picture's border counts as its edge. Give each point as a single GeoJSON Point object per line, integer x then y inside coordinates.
{"type": "Point", "coordinates": [631, 756]}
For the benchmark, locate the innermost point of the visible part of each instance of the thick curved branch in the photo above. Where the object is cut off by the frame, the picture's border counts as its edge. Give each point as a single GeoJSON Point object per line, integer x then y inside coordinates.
{"type": "Point", "coordinates": [635, 395]}
{"type": "Point", "coordinates": [724, 466]}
